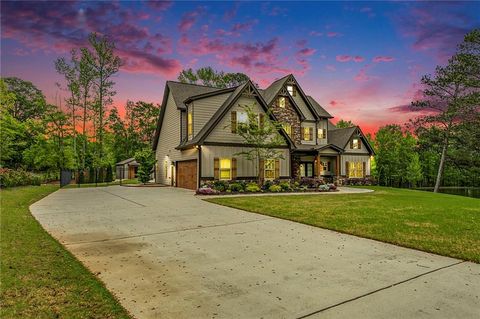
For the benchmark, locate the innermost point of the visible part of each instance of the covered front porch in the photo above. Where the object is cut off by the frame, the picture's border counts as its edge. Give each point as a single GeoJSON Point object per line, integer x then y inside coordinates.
{"type": "Point", "coordinates": [316, 162]}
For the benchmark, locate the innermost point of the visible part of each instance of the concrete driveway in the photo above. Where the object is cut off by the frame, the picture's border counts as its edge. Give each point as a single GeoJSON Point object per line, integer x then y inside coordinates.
{"type": "Point", "coordinates": [167, 254]}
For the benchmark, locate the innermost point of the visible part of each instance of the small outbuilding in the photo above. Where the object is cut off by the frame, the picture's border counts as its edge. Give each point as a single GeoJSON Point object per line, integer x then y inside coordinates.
{"type": "Point", "coordinates": [126, 169]}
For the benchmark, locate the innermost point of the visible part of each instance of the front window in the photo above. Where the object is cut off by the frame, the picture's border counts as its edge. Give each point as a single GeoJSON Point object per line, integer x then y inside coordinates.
{"type": "Point", "coordinates": [281, 102]}
{"type": "Point", "coordinates": [288, 129]}
{"type": "Point", "coordinates": [355, 170]}
{"type": "Point", "coordinates": [269, 169]}
{"type": "Point", "coordinates": [307, 133]}
{"type": "Point", "coordinates": [225, 168]}
{"type": "Point", "coordinates": [291, 90]}
{"type": "Point", "coordinates": [190, 124]}
{"type": "Point", "coordinates": [355, 143]}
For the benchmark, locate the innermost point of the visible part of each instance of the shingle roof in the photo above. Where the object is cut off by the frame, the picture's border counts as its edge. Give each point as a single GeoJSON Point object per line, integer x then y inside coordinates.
{"type": "Point", "coordinates": [320, 110]}
{"type": "Point", "coordinates": [340, 136]}
{"type": "Point", "coordinates": [130, 161]}
{"type": "Point", "coordinates": [182, 91]}
{"type": "Point", "coordinates": [270, 92]}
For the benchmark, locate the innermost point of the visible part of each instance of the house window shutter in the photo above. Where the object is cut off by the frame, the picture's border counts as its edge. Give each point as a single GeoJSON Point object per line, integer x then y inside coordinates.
{"type": "Point", "coordinates": [364, 169]}
{"type": "Point", "coordinates": [324, 133]}
{"type": "Point", "coordinates": [310, 130]}
{"type": "Point", "coordinates": [233, 123]}
{"type": "Point", "coordinates": [359, 144]}
{"type": "Point", "coordinates": [216, 168]}
{"type": "Point", "coordinates": [234, 168]}
{"type": "Point", "coordinates": [277, 169]}
{"type": "Point", "coordinates": [347, 167]}
{"type": "Point", "coordinates": [351, 143]}
{"type": "Point", "coordinates": [261, 167]}
{"type": "Point", "coordinates": [302, 135]}
{"type": "Point", "coordinates": [261, 120]}
{"type": "Point", "coordinates": [328, 166]}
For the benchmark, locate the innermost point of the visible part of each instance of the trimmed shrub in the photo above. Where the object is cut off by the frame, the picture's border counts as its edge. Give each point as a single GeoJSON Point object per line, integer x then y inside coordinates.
{"type": "Point", "coordinates": [275, 188]}
{"type": "Point", "coordinates": [220, 186]}
{"type": "Point", "coordinates": [324, 188]}
{"type": "Point", "coordinates": [286, 187]}
{"type": "Point", "coordinates": [235, 187]}
{"type": "Point", "coordinates": [12, 178]}
{"type": "Point", "coordinates": [311, 182]}
{"type": "Point", "coordinates": [252, 188]}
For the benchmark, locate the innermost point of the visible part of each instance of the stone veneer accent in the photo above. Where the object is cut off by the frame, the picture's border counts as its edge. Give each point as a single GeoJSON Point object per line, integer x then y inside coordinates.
{"type": "Point", "coordinates": [288, 115]}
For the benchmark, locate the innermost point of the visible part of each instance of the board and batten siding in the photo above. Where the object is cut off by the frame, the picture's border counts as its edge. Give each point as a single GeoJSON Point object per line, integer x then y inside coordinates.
{"type": "Point", "coordinates": [362, 150]}
{"type": "Point", "coordinates": [183, 124]}
{"type": "Point", "coordinates": [354, 158]}
{"type": "Point", "coordinates": [310, 125]}
{"type": "Point", "coordinates": [222, 132]}
{"type": "Point", "coordinates": [322, 124]}
{"type": "Point", "coordinates": [169, 139]}
{"type": "Point", "coordinates": [303, 106]}
{"type": "Point", "coordinates": [245, 168]}
{"type": "Point", "coordinates": [203, 110]}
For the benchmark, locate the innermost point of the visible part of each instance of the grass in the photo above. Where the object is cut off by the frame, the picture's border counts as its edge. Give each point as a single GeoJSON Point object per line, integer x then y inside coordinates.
{"type": "Point", "coordinates": [444, 224]}
{"type": "Point", "coordinates": [117, 182]}
{"type": "Point", "coordinates": [39, 278]}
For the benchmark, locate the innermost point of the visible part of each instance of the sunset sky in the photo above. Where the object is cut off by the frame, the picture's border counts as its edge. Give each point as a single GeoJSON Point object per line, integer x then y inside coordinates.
{"type": "Point", "coordinates": [361, 60]}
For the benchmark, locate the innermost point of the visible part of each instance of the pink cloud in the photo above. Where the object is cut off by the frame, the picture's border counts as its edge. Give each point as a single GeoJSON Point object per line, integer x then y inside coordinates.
{"type": "Point", "coordinates": [315, 34]}
{"type": "Point", "coordinates": [306, 52]}
{"type": "Point", "coordinates": [383, 59]}
{"type": "Point", "coordinates": [358, 58]}
{"type": "Point", "coordinates": [343, 58]}
{"type": "Point", "coordinates": [189, 19]}
{"type": "Point", "coordinates": [362, 75]}
{"type": "Point", "coordinates": [333, 34]}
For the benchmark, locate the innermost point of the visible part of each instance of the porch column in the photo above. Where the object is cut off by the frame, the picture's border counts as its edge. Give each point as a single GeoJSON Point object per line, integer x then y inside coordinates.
{"type": "Point", "coordinates": [337, 165]}
{"type": "Point", "coordinates": [316, 173]}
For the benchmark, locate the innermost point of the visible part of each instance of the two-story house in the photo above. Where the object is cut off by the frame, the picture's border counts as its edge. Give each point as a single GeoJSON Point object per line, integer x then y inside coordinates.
{"type": "Point", "coordinates": [196, 141]}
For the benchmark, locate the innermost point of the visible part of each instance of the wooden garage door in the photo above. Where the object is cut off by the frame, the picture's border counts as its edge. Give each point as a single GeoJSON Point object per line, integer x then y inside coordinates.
{"type": "Point", "coordinates": [187, 174]}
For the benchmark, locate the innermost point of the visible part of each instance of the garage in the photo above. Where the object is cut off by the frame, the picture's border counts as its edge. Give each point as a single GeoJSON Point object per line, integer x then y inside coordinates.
{"type": "Point", "coordinates": [187, 174]}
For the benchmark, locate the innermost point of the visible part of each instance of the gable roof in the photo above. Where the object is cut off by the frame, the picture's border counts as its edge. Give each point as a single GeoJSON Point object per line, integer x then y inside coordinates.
{"type": "Point", "coordinates": [271, 91]}
{"type": "Point", "coordinates": [130, 161]}
{"type": "Point", "coordinates": [182, 91]}
{"type": "Point", "coordinates": [222, 111]}
{"type": "Point", "coordinates": [341, 136]}
{"type": "Point", "coordinates": [320, 110]}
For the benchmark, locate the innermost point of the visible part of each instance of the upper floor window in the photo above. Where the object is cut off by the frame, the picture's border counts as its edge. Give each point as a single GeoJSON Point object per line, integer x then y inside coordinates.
{"type": "Point", "coordinates": [287, 128]}
{"type": "Point", "coordinates": [291, 90]}
{"type": "Point", "coordinates": [190, 124]}
{"type": "Point", "coordinates": [242, 118]}
{"type": "Point", "coordinates": [281, 101]}
{"type": "Point", "coordinates": [322, 133]}
{"type": "Point", "coordinates": [269, 167]}
{"type": "Point", "coordinates": [356, 144]}
{"type": "Point", "coordinates": [307, 133]}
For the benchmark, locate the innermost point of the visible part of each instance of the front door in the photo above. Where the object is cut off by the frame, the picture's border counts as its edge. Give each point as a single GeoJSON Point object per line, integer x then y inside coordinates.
{"type": "Point", "coordinates": [306, 169]}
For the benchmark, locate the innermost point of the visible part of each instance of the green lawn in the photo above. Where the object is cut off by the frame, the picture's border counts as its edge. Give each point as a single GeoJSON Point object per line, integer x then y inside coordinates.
{"type": "Point", "coordinates": [443, 224]}
{"type": "Point", "coordinates": [39, 278]}
{"type": "Point", "coordinates": [124, 182]}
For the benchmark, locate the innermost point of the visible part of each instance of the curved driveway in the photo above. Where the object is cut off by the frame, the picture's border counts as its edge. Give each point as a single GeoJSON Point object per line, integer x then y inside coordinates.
{"type": "Point", "coordinates": [167, 254]}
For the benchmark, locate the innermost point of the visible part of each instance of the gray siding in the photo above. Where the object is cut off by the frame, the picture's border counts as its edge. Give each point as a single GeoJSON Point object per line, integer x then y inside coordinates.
{"type": "Point", "coordinates": [168, 140]}
{"type": "Point", "coordinates": [222, 132]}
{"type": "Point", "coordinates": [363, 150]}
{"type": "Point", "coordinates": [244, 167]}
{"type": "Point", "coordinates": [354, 158]}
{"type": "Point", "coordinates": [203, 110]}
{"type": "Point", "coordinates": [303, 106]}
{"type": "Point", "coordinates": [183, 124]}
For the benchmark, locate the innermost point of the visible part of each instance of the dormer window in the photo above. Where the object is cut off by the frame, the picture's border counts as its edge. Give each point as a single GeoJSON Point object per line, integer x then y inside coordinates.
{"type": "Point", "coordinates": [356, 144]}
{"type": "Point", "coordinates": [281, 102]}
{"type": "Point", "coordinates": [291, 90]}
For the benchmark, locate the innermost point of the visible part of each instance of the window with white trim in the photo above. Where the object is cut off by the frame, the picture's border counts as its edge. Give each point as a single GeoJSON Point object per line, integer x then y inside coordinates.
{"type": "Point", "coordinates": [291, 90]}
{"type": "Point", "coordinates": [355, 170]}
{"type": "Point", "coordinates": [269, 167]}
{"type": "Point", "coordinates": [225, 168]}
{"type": "Point", "coordinates": [242, 118]}
{"type": "Point", "coordinates": [355, 143]}
{"type": "Point", "coordinates": [190, 124]}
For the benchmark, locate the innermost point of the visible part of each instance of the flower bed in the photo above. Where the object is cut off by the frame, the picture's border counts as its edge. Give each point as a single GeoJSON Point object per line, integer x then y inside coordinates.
{"type": "Point", "coordinates": [269, 186]}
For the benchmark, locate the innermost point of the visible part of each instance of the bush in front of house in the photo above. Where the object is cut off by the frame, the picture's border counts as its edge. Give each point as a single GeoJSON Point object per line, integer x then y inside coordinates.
{"type": "Point", "coordinates": [252, 188]}
{"type": "Point", "coordinates": [275, 188]}
{"type": "Point", "coordinates": [311, 182]}
{"type": "Point", "coordinates": [236, 187]}
{"type": "Point", "coordinates": [12, 178]}
{"type": "Point", "coordinates": [366, 181]}
{"type": "Point", "coordinates": [207, 191]}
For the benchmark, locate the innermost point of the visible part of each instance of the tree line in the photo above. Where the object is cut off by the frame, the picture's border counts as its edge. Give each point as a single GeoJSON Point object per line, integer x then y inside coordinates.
{"type": "Point", "coordinates": [82, 131]}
